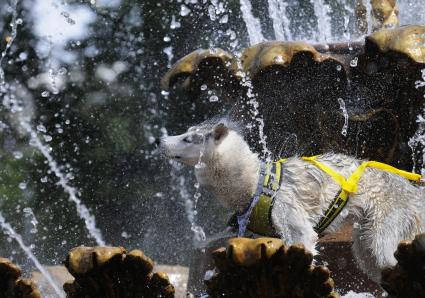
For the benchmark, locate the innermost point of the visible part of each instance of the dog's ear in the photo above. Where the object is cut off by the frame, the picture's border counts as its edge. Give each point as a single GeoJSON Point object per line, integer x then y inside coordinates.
{"type": "Point", "coordinates": [220, 131]}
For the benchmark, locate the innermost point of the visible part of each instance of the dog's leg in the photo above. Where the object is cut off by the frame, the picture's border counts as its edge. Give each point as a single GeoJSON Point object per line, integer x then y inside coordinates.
{"type": "Point", "coordinates": [366, 257]}
{"type": "Point", "coordinates": [292, 225]}
{"type": "Point", "coordinates": [374, 244]}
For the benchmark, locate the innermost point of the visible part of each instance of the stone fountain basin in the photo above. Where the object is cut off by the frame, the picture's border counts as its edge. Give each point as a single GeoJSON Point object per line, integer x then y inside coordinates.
{"type": "Point", "coordinates": [335, 253]}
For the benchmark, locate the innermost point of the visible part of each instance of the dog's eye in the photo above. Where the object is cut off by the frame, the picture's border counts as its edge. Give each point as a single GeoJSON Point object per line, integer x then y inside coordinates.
{"type": "Point", "coordinates": [198, 138]}
{"type": "Point", "coordinates": [187, 139]}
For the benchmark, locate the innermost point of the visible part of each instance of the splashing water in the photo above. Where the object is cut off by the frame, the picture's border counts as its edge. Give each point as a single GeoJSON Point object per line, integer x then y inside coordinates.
{"type": "Point", "coordinates": [12, 234]}
{"type": "Point", "coordinates": [281, 22]}
{"type": "Point", "coordinates": [34, 222]}
{"type": "Point", "coordinates": [420, 84]}
{"type": "Point", "coordinates": [169, 52]}
{"type": "Point", "coordinates": [200, 164]}
{"type": "Point", "coordinates": [344, 111]}
{"type": "Point", "coordinates": [243, 220]}
{"type": "Point", "coordinates": [368, 6]}
{"type": "Point", "coordinates": [348, 11]}
{"type": "Point", "coordinates": [324, 27]}
{"type": "Point", "coordinates": [82, 210]}
{"type": "Point", "coordinates": [10, 40]}
{"type": "Point", "coordinates": [6, 226]}
{"type": "Point", "coordinates": [418, 139]}
{"type": "Point", "coordinates": [199, 232]}
{"type": "Point", "coordinates": [255, 113]}
{"type": "Point", "coordinates": [178, 184]}
{"type": "Point", "coordinates": [253, 24]}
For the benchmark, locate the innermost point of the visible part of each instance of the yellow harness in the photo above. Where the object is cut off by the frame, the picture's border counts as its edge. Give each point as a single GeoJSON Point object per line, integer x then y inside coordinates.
{"type": "Point", "coordinates": [258, 214]}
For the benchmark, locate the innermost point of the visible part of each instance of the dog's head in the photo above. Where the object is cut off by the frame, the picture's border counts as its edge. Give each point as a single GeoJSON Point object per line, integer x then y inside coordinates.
{"type": "Point", "coordinates": [199, 140]}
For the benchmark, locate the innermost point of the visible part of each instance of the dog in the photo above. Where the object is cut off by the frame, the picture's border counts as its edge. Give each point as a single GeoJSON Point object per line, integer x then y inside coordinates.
{"type": "Point", "coordinates": [386, 207]}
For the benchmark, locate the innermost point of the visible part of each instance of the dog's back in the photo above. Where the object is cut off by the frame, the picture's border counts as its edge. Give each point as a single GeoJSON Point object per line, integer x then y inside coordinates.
{"type": "Point", "coordinates": [386, 207]}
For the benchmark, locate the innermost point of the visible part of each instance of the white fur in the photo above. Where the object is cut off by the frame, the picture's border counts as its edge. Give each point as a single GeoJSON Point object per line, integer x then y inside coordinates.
{"type": "Point", "coordinates": [386, 208]}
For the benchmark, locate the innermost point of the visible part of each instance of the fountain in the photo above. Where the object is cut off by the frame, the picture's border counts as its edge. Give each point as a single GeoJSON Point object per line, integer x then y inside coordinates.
{"type": "Point", "coordinates": [317, 89]}
{"type": "Point", "coordinates": [82, 106]}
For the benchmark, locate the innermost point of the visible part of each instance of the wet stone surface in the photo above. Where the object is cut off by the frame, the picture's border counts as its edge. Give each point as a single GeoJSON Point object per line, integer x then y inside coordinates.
{"type": "Point", "coordinates": [407, 278]}
{"type": "Point", "coordinates": [265, 267]}
{"type": "Point", "coordinates": [112, 272]}
{"type": "Point", "coordinates": [11, 283]}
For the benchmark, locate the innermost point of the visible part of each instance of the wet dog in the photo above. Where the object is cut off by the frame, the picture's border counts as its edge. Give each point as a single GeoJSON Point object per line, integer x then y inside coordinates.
{"type": "Point", "coordinates": [386, 207]}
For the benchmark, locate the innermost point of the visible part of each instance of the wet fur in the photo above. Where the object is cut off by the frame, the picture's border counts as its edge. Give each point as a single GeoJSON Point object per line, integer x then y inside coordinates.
{"type": "Point", "coordinates": [386, 208]}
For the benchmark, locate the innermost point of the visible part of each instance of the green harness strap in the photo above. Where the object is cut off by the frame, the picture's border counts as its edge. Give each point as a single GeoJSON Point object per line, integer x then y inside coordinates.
{"type": "Point", "coordinates": [260, 218]}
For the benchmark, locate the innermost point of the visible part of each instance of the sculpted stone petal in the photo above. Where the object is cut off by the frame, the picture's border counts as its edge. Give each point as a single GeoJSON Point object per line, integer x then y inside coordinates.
{"type": "Point", "coordinates": [407, 40]}
{"type": "Point", "coordinates": [189, 64]}
{"type": "Point", "coordinates": [265, 267]}
{"type": "Point", "coordinates": [11, 283]}
{"type": "Point", "coordinates": [110, 271]}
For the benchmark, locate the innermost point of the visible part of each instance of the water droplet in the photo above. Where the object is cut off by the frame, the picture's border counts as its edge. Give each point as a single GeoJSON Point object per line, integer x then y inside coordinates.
{"type": "Point", "coordinates": [224, 19]}
{"type": "Point", "coordinates": [62, 71]}
{"type": "Point", "coordinates": [43, 179]}
{"type": "Point", "coordinates": [184, 10]}
{"type": "Point", "coordinates": [18, 154]}
{"type": "Point", "coordinates": [167, 39]}
{"type": "Point", "coordinates": [22, 185]}
{"type": "Point", "coordinates": [47, 138]}
{"type": "Point", "coordinates": [204, 87]}
{"type": "Point", "coordinates": [45, 93]}
{"type": "Point", "coordinates": [125, 235]}
{"type": "Point", "coordinates": [279, 59]}
{"type": "Point", "coordinates": [174, 24]}
{"type": "Point", "coordinates": [41, 128]}
{"type": "Point", "coordinates": [211, 12]}
{"type": "Point", "coordinates": [33, 142]}
{"type": "Point", "coordinates": [345, 114]}
{"type": "Point", "coordinates": [339, 67]}
{"type": "Point", "coordinates": [23, 56]}
{"type": "Point", "coordinates": [68, 18]}
{"type": "Point", "coordinates": [19, 21]}
{"type": "Point", "coordinates": [353, 63]}
{"type": "Point", "coordinates": [200, 165]}
{"type": "Point", "coordinates": [214, 98]}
